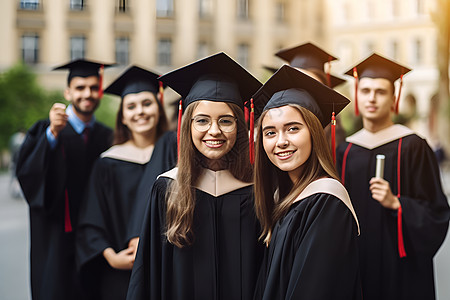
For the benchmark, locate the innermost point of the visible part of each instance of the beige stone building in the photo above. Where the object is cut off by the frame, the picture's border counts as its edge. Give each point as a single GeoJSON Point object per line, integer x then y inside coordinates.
{"type": "Point", "coordinates": [157, 34]}
{"type": "Point", "coordinates": [402, 30]}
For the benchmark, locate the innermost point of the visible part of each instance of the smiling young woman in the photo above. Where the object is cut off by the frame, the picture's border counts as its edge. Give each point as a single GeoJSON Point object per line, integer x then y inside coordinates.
{"type": "Point", "coordinates": [200, 238]}
{"type": "Point", "coordinates": [308, 221]}
{"type": "Point", "coordinates": [112, 212]}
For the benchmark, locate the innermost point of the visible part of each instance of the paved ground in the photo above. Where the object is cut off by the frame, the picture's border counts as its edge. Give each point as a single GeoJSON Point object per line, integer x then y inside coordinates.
{"type": "Point", "coordinates": [14, 237]}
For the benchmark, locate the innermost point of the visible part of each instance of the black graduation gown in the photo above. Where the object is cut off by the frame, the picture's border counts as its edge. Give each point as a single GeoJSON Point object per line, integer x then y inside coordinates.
{"type": "Point", "coordinates": [108, 212]}
{"type": "Point", "coordinates": [45, 176]}
{"type": "Point", "coordinates": [424, 217]}
{"type": "Point", "coordinates": [223, 261]}
{"type": "Point", "coordinates": [313, 253]}
{"type": "Point", "coordinates": [165, 158]}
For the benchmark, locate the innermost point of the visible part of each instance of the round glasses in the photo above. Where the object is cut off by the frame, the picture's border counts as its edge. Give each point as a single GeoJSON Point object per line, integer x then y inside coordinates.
{"type": "Point", "coordinates": [203, 123]}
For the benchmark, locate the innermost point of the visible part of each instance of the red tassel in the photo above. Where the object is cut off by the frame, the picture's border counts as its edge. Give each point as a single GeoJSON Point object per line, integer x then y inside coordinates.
{"type": "Point", "coordinates": [251, 139]}
{"type": "Point", "coordinates": [355, 75]}
{"type": "Point", "coordinates": [161, 93]}
{"type": "Point", "coordinates": [100, 81]}
{"type": "Point", "coordinates": [399, 93]}
{"type": "Point", "coordinates": [180, 112]}
{"type": "Point", "coordinates": [67, 221]}
{"type": "Point", "coordinates": [246, 113]}
{"type": "Point", "coordinates": [333, 137]}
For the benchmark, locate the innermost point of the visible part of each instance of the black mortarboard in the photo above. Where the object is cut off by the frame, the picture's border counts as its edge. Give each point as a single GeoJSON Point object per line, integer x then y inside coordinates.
{"type": "Point", "coordinates": [377, 66]}
{"type": "Point", "coordinates": [289, 86]}
{"type": "Point", "coordinates": [215, 78]}
{"type": "Point", "coordinates": [134, 80]}
{"type": "Point", "coordinates": [309, 56]}
{"type": "Point", "coordinates": [82, 68]}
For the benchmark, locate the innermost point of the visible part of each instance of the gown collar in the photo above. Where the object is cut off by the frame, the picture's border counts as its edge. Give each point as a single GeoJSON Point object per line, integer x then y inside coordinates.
{"type": "Point", "coordinates": [332, 187]}
{"type": "Point", "coordinates": [369, 140]}
{"type": "Point", "coordinates": [130, 153]}
{"type": "Point", "coordinates": [215, 183]}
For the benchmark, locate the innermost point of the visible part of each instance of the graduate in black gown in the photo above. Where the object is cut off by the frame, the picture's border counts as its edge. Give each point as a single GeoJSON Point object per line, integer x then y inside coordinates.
{"type": "Point", "coordinates": [105, 251]}
{"type": "Point", "coordinates": [53, 168]}
{"type": "Point", "coordinates": [308, 220]}
{"type": "Point", "coordinates": [404, 214]}
{"type": "Point", "coordinates": [200, 234]}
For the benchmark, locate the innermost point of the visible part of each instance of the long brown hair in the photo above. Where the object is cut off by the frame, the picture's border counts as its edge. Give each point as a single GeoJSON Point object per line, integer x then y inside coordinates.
{"type": "Point", "coordinates": [181, 192]}
{"type": "Point", "coordinates": [122, 134]}
{"type": "Point", "coordinates": [270, 180]}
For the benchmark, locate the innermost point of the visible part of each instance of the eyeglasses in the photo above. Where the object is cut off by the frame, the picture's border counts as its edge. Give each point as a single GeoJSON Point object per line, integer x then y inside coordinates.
{"type": "Point", "coordinates": [203, 123]}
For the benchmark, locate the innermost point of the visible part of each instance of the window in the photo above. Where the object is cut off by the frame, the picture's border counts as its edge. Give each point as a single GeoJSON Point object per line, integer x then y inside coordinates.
{"type": "Point", "coordinates": [202, 50]}
{"type": "Point", "coordinates": [204, 8]}
{"type": "Point", "coordinates": [164, 8]}
{"type": "Point", "coordinates": [243, 54]}
{"type": "Point", "coordinates": [29, 4]}
{"type": "Point", "coordinates": [418, 51]}
{"type": "Point", "coordinates": [243, 9]}
{"type": "Point", "coordinates": [77, 47]}
{"type": "Point", "coordinates": [165, 52]}
{"type": "Point", "coordinates": [395, 8]}
{"type": "Point", "coordinates": [368, 48]}
{"type": "Point", "coordinates": [30, 48]}
{"type": "Point", "coordinates": [280, 12]}
{"type": "Point", "coordinates": [122, 50]}
{"type": "Point", "coordinates": [420, 7]}
{"type": "Point", "coordinates": [123, 6]}
{"type": "Point", "coordinates": [77, 5]}
{"type": "Point", "coordinates": [393, 51]}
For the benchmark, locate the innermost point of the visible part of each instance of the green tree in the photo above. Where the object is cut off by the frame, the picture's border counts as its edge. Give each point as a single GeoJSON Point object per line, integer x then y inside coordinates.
{"type": "Point", "coordinates": [22, 101]}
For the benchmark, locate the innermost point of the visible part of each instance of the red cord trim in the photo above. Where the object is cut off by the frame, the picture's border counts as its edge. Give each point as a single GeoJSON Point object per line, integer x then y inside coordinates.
{"type": "Point", "coordinates": [344, 163]}
{"type": "Point", "coordinates": [401, 245]}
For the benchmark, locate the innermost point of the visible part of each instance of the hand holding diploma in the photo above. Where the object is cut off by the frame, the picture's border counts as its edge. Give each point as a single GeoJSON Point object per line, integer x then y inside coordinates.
{"type": "Point", "coordinates": [381, 191]}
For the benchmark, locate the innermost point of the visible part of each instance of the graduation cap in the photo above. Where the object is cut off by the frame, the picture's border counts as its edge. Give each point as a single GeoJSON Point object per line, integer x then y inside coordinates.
{"type": "Point", "coordinates": [84, 68]}
{"type": "Point", "coordinates": [215, 78]}
{"type": "Point", "coordinates": [377, 66]}
{"type": "Point", "coordinates": [289, 86]}
{"type": "Point", "coordinates": [310, 57]}
{"type": "Point", "coordinates": [135, 80]}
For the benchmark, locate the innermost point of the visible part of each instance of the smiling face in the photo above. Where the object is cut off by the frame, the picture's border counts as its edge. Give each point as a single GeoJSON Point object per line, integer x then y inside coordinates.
{"type": "Point", "coordinates": [214, 143]}
{"type": "Point", "coordinates": [376, 99]}
{"type": "Point", "coordinates": [83, 93]}
{"type": "Point", "coordinates": [140, 112]}
{"type": "Point", "coordinates": [286, 140]}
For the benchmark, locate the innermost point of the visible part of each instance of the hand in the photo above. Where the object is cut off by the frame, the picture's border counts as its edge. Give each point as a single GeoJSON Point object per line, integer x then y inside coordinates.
{"type": "Point", "coordinates": [381, 192]}
{"type": "Point", "coordinates": [58, 118]}
{"type": "Point", "coordinates": [133, 243]}
{"type": "Point", "coordinates": [122, 260]}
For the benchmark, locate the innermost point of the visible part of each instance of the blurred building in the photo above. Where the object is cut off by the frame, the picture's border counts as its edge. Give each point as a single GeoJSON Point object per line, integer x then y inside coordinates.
{"type": "Point", "coordinates": [402, 30]}
{"type": "Point", "coordinates": [158, 34]}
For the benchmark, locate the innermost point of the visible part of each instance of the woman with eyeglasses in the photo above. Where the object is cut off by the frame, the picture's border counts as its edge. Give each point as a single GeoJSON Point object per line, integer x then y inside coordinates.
{"type": "Point", "coordinates": [200, 236]}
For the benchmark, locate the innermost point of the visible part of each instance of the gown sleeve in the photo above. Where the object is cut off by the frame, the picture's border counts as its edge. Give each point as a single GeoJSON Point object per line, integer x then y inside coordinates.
{"type": "Point", "coordinates": [91, 236]}
{"type": "Point", "coordinates": [41, 170]}
{"type": "Point", "coordinates": [164, 158]}
{"type": "Point", "coordinates": [145, 278]}
{"type": "Point", "coordinates": [325, 262]}
{"type": "Point", "coordinates": [425, 210]}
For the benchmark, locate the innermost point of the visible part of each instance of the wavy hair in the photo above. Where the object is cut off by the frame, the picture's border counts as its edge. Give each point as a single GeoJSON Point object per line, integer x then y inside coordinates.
{"type": "Point", "coordinates": [274, 190]}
